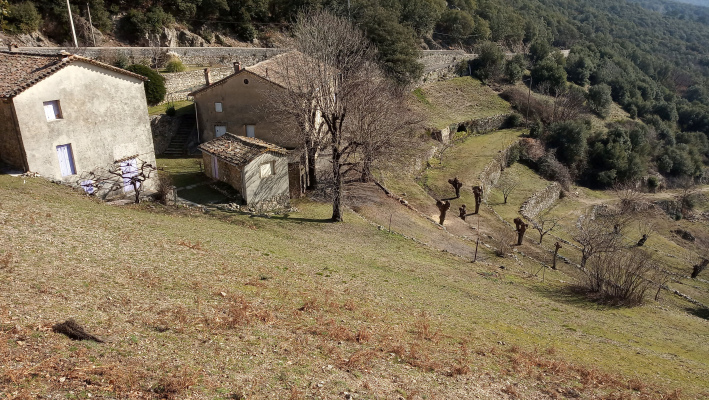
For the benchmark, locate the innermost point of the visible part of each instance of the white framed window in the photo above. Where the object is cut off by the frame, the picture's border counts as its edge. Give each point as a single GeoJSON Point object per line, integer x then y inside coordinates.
{"type": "Point", "coordinates": [52, 110]}
{"type": "Point", "coordinates": [66, 160]}
{"type": "Point", "coordinates": [219, 130]}
{"type": "Point", "coordinates": [267, 169]}
{"type": "Point", "coordinates": [218, 107]}
{"type": "Point", "coordinates": [251, 130]}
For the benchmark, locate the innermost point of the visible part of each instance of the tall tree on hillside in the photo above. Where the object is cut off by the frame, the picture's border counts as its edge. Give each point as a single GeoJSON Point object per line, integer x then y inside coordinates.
{"type": "Point", "coordinates": [343, 68]}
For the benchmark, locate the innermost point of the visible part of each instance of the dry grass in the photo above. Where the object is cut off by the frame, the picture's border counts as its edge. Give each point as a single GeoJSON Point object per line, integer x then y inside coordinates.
{"type": "Point", "coordinates": [277, 308]}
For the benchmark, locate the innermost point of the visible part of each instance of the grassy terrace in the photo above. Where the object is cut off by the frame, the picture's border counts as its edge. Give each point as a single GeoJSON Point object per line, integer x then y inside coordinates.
{"type": "Point", "coordinates": [212, 306]}
{"type": "Point", "coordinates": [458, 100]}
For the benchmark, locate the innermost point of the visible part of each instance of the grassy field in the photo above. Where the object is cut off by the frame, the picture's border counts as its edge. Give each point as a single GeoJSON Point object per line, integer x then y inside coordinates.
{"type": "Point", "coordinates": [228, 305]}
{"type": "Point", "coordinates": [181, 108]}
{"type": "Point", "coordinates": [457, 100]}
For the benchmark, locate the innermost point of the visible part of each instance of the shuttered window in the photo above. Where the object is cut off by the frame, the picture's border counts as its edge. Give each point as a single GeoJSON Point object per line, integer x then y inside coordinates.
{"type": "Point", "coordinates": [52, 110]}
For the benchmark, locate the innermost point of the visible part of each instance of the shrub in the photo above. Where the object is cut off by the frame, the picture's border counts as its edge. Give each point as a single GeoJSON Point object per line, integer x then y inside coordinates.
{"type": "Point", "coordinates": [489, 60]}
{"type": "Point", "coordinates": [514, 68]}
{"type": "Point", "coordinates": [514, 120]}
{"type": "Point", "coordinates": [621, 277]}
{"type": "Point", "coordinates": [175, 65]}
{"type": "Point", "coordinates": [549, 72]}
{"type": "Point", "coordinates": [653, 183]}
{"type": "Point", "coordinates": [550, 168]}
{"type": "Point", "coordinates": [154, 87]}
{"type": "Point", "coordinates": [513, 154]}
{"type": "Point", "coordinates": [23, 18]}
{"type": "Point", "coordinates": [600, 100]}
{"type": "Point", "coordinates": [170, 112]}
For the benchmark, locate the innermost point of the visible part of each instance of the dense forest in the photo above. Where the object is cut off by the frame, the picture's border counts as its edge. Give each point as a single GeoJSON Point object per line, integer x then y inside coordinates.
{"type": "Point", "coordinates": [649, 56]}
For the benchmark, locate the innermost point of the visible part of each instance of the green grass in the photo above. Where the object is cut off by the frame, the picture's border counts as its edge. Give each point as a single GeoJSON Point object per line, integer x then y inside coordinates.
{"type": "Point", "coordinates": [297, 289]}
{"type": "Point", "coordinates": [183, 171]}
{"type": "Point", "coordinates": [466, 160]}
{"type": "Point", "coordinates": [181, 108]}
{"type": "Point", "coordinates": [457, 100]}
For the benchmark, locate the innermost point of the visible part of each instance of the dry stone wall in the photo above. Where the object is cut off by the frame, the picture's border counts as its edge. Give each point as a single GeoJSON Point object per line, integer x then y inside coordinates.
{"type": "Point", "coordinates": [180, 84]}
{"type": "Point", "coordinates": [491, 173]}
{"type": "Point", "coordinates": [540, 201]}
{"type": "Point", "coordinates": [163, 128]}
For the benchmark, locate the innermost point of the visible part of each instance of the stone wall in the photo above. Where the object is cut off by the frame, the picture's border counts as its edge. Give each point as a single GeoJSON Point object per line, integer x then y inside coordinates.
{"type": "Point", "coordinates": [491, 173]}
{"type": "Point", "coordinates": [164, 128]}
{"type": "Point", "coordinates": [540, 201]}
{"type": "Point", "coordinates": [180, 84]}
{"type": "Point", "coordinates": [476, 126]}
{"type": "Point", "coordinates": [208, 56]}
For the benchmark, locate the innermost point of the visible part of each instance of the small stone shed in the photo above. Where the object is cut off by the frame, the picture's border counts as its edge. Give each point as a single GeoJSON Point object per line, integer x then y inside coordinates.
{"type": "Point", "coordinates": [257, 169]}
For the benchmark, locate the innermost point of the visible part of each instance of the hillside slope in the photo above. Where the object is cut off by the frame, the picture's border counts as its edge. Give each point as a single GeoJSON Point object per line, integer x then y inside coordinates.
{"type": "Point", "coordinates": [219, 305]}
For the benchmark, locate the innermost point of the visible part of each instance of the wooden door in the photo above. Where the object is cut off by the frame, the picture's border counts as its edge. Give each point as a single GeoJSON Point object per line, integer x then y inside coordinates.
{"type": "Point", "coordinates": [251, 130]}
{"type": "Point", "coordinates": [219, 130]}
{"type": "Point", "coordinates": [215, 168]}
{"type": "Point", "coordinates": [66, 160]}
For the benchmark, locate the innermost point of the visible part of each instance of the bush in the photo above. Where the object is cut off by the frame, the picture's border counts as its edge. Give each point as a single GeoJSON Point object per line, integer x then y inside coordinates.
{"type": "Point", "coordinates": [621, 277]}
{"type": "Point", "coordinates": [513, 154]}
{"type": "Point", "coordinates": [154, 87]}
{"type": "Point", "coordinates": [23, 18]}
{"type": "Point", "coordinates": [550, 168]}
{"type": "Point", "coordinates": [549, 72]}
{"type": "Point", "coordinates": [653, 183]}
{"type": "Point", "coordinates": [170, 111]}
{"type": "Point", "coordinates": [490, 58]}
{"type": "Point", "coordinates": [600, 100]}
{"type": "Point", "coordinates": [514, 120]}
{"type": "Point", "coordinates": [175, 65]}
{"type": "Point", "coordinates": [514, 68]}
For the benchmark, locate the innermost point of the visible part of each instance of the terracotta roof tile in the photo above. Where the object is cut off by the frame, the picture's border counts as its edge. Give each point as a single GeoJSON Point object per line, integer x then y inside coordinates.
{"type": "Point", "coordinates": [275, 70]}
{"type": "Point", "coordinates": [239, 150]}
{"type": "Point", "coordinates": [20, 71]}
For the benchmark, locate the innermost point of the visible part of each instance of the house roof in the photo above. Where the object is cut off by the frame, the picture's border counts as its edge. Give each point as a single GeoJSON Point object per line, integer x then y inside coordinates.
{"type": "Point", "coordinates": [275, 70]}
{"type": "Point", "coordinates": [239, 150]}
{"type": "Point", "coordinates": [20, 71]}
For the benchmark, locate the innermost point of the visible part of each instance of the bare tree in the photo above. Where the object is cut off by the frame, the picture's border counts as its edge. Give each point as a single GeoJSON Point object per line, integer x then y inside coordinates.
{"type": "Point", "coordinates": [544, 222]}
{"type": "Point", "coordinates": [598, 234]}
{"type": "Point", "coordinates": [688, 189]}
{"type": "Point", "coordinates": [344, 60]}
{"type": "Point", "coordinates": [292, 100]}
{"type": "Point", "coordinates": [507, 184]}
{"type": "Point", "coordinates": [621, 276]}
{"type": "Point", "coordinates": [381, 124]}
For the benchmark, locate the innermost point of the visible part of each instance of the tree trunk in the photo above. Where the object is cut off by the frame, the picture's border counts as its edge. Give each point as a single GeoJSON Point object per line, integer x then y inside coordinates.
{"type": "Point", "coordinates": [312, 172]}
{"type": "Point", "coordinates": [337, 178]}
{"type": "Point", "coordinates": [366, 170]}
{"type": "Point", "coordinates": [137, 192]}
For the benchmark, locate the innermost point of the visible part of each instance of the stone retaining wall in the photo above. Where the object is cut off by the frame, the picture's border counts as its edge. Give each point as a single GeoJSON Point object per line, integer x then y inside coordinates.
{"type": "Point", "coordinates": [540, 201]}
{"type": "Point", "coordinates": [164, 128]}
{"type": "Point", "coordinates": [491, 173]}
{"type": "Point", "coordinates": [179, 84]}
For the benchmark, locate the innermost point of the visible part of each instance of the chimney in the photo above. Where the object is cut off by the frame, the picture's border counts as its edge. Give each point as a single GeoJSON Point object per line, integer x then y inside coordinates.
{"type": "Point", "coordinates": [237, 66]}
{"type": "Point", "coordinates": [207, 76]}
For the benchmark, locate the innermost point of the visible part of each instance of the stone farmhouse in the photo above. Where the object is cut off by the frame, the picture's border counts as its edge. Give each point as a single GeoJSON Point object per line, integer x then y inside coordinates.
{"type": "Point", "coordinates": [258, 170]}
{"type": "Point", "coordinates": [239, 103]}
{"type": "Point", "coordinates": [64, 116]}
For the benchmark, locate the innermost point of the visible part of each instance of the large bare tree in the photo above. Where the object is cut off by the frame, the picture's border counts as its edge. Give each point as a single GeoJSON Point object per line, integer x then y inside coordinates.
{"type": "Point", "coordinates": [340, 100]}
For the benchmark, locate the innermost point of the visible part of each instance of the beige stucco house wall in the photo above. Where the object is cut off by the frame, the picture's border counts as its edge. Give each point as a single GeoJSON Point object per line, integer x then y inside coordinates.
{"type": "Point", "coordinates": [65, 110]}
{"type": "Point", "coordinates": [244, 101]}
{"type": "Point", "coordinates": [104, 118]}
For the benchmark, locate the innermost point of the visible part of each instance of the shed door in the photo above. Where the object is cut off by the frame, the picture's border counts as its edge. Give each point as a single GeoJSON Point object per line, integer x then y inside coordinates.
{"type": "Point", "coordinates": [251, 130]}
{"type": "Point", "coordinates": [66, 160]}
{"type": "Point", "coordinates": [215, 168]}
{"type": "Point", "coordinates": [129, 169]}
{"type": "Point", "coordinates": [219, 130]}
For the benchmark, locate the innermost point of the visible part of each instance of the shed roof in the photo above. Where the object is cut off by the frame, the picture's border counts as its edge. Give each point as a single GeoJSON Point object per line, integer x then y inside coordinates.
{"type": "Point", "coordinates": [20, 71]}
{"type": "Point", "coordinates": [239, 150]}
